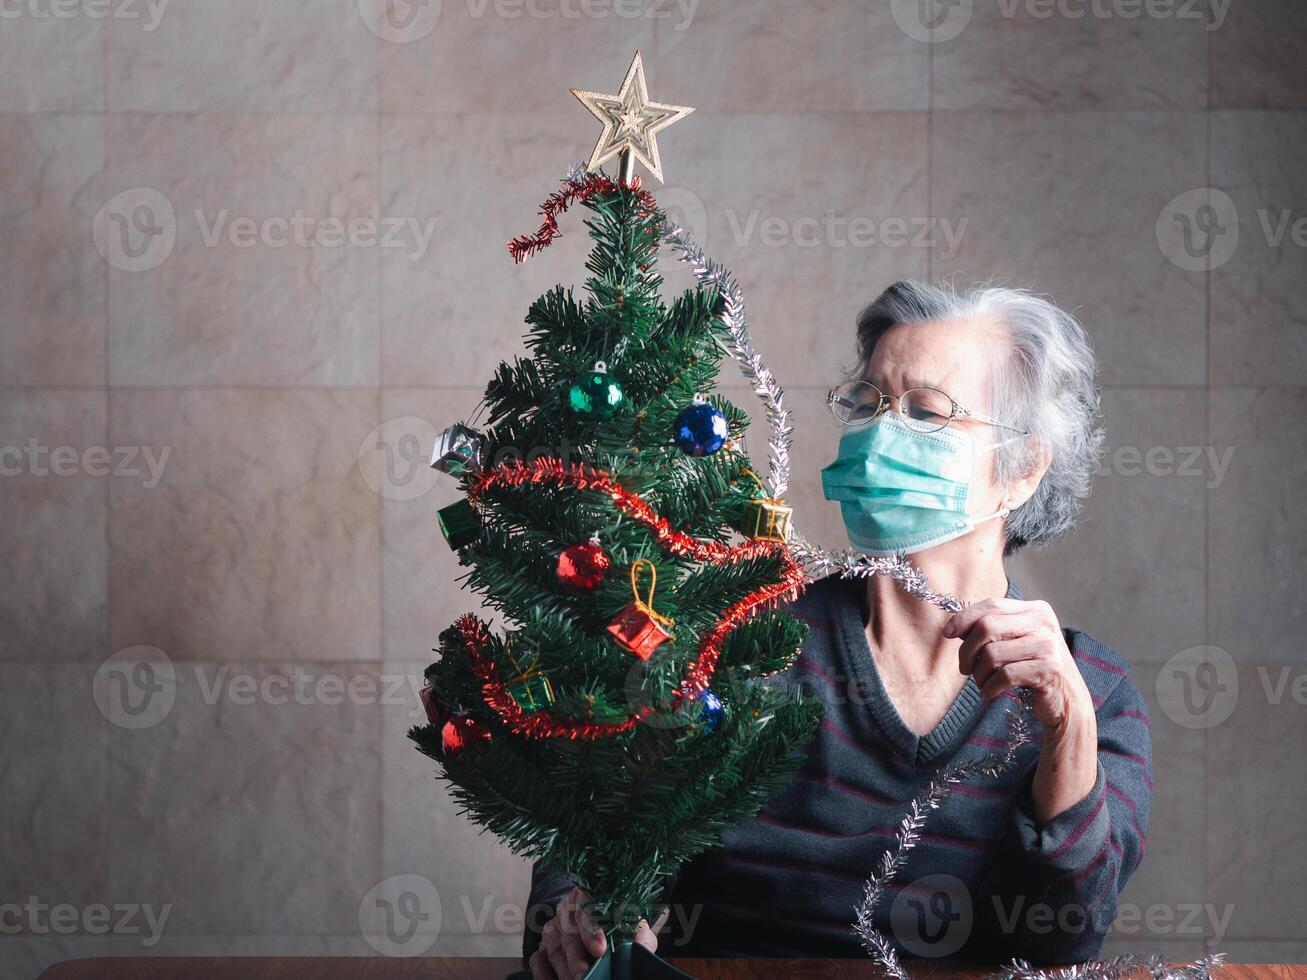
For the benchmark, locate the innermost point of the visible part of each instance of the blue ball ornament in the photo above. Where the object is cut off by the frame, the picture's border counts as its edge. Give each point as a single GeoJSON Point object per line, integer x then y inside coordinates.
{"type": "Point", "coordinates": [710, 710]}
{"type": "Point", "coordinates": [701, 428]}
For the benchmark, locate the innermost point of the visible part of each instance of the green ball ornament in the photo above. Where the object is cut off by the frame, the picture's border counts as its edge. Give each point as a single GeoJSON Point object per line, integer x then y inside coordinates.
{"type": "Point", "coordinates": [596, 393]}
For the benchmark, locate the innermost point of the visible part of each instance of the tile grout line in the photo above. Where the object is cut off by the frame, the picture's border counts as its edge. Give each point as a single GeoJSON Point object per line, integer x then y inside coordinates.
{"type": "Point", "coordinates": [108, 441]}
{"type": "Point", "coordinates": [1207, 497]}
{"type": "Point", "coordinates": [806, 113]}
{"type": "Point", "coordinates": [930, 151]}
{"type": "Point", "coordinates": [381, 509]}
{"type": "Point", "coordinates": [796, 386]}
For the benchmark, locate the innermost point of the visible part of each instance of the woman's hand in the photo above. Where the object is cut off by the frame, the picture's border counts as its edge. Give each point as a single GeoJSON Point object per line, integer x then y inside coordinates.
{"type": "Point", "coordinates": [569, 942]}
{"type": "Point", "coordinates": [1014, 643]}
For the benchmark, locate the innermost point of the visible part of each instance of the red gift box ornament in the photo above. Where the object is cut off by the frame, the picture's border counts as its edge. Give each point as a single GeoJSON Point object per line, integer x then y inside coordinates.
{"type": "Point", "coordinates": [638, 629]}
{"type": "Point", "coordinates": [437, 714]}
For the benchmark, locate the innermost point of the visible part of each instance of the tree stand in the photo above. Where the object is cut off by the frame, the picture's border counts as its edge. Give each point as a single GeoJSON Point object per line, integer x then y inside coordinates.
{"type": "Point", "coordinates": [627, 961]}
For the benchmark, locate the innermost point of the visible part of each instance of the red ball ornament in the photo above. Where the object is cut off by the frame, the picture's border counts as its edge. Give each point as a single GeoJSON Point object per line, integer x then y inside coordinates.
{"type": "Point", "coordinates": [582, 566]}
{"type": "Point", "coordinates": [459, 731]}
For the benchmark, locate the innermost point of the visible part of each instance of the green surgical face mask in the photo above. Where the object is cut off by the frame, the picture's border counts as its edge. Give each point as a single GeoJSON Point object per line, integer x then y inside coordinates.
{"type": "Point", "coordinates": [901, 491]}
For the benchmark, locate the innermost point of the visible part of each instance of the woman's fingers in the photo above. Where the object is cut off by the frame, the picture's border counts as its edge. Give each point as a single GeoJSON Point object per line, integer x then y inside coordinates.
{"type": "Point", "coordinates": [566, 961]}
{"type": "Point", "coordinates": [569, 943]}
{"type": "Point", "coordinates": [551, 942]}
{"type": "Point", "coordinates": [1001, 653]}
{"type": "Point", "coordinates": [961, 621]}
{"type": "Point", "coordinates": [646, 937]}
{"type": "Point", "coordinates": [993, 628]}
{"type": "Point", "coordinates": [576, 949]}
{"type": "Point", "coordinates": [594, 940]}
{"type": "Point", "coordinates": [1022, 673]}
{"type": "Point", "coordinates": [540, 966]}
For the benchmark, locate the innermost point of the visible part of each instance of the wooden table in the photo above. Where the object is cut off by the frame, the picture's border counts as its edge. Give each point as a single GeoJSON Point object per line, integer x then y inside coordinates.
{"type": "Point", "coordinates": [494, 968]}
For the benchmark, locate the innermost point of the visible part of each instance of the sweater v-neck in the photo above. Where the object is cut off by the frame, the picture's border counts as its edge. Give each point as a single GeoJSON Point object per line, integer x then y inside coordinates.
{"type": "Point", "coordinates": [919, 750]}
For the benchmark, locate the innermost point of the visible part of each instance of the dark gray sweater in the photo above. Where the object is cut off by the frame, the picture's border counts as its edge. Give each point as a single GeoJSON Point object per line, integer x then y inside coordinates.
{"type": "Point", "coordinates": [986, 882]}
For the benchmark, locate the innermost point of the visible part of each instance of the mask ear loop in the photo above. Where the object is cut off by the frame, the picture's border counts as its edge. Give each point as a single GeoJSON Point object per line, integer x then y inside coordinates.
{"type": "Point", "coordinates": [1004, 442]}
{"type": "Point", "coordinates": [1003, 511]}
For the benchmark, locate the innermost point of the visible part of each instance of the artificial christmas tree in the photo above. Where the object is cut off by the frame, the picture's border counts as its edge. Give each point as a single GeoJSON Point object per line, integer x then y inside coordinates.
{"type": "Point", "coordinates": [621, 722]}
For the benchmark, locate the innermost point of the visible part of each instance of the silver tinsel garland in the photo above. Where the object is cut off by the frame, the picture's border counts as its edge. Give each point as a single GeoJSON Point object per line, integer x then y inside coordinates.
{"type": "Point", "coordinates": [881, 949]}
{"type": "Point", "coordinates": [765, 385]}
{"type": "Point", "coordinates": [1118, 967]}
{"type": "Point", "coordinates": [910, 827]}
{"type": "Point", "coordinates": [819, 563]}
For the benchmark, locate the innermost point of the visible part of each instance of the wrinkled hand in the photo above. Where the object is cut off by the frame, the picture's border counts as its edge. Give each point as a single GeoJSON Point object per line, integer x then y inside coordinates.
{"type": "Point", "coordinates": [570, 943]}
{"type": "Point", "coordinates": [1015, 643]}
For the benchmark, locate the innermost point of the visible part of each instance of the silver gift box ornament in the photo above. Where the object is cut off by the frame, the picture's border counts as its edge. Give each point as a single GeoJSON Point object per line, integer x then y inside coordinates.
{"type": "Point", "coordinates": [458, 448]}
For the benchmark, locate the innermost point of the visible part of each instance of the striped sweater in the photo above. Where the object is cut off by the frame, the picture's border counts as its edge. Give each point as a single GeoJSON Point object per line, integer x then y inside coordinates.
{"type": "Point", "coordinates": [986, 881]}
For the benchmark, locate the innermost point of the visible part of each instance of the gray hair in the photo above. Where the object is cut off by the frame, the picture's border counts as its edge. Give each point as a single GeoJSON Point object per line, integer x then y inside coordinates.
{"type": "Point", "coordinates": [1045, 384]}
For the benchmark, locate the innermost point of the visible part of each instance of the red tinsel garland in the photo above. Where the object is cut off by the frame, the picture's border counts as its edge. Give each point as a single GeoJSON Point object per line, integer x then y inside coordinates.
{"type": "Point", "coordinates": [524, 246]}
{"type": "Point", "coordinates": [541, 724]}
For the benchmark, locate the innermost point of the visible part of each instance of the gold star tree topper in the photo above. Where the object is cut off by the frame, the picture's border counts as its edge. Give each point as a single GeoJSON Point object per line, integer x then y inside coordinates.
{"type": "Point", "coordinates": [631, 123]}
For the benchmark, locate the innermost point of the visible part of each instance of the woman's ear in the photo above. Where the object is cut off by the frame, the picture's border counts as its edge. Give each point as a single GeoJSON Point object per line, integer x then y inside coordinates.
{"type": "Point", "coordinates": [1023, 488]}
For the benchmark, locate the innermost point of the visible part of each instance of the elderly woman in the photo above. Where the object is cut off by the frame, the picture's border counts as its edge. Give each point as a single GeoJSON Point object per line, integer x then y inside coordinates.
{"type": "Point", "coordinates": [970, 431]}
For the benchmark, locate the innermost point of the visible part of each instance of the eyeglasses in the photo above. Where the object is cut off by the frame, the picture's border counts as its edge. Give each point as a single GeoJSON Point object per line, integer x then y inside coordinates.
{"type": "Point", "coordinates": [924, 409]}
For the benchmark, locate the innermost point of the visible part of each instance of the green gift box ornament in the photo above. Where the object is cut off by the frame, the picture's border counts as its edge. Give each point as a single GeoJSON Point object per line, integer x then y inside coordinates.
{"type": "Point", "coordinates": [530, 688]}
{"type": "Point", "coordinates": [532, 692]}
{"type": "Point", "coordinates": [459, 524]}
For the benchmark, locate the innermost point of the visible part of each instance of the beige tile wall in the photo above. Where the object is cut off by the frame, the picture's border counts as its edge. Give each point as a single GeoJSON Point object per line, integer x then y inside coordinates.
{"type": "Point", "coordinates": [281, 558]}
